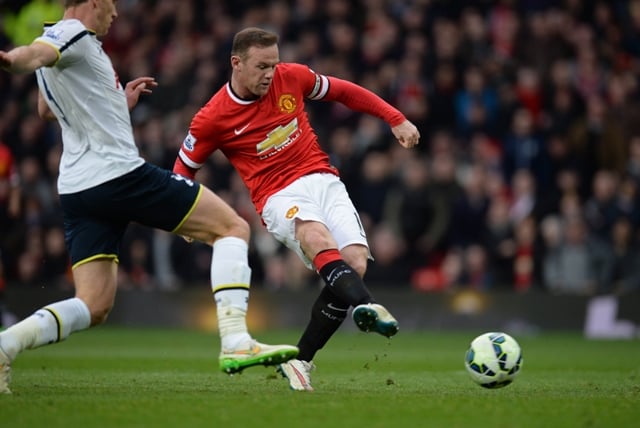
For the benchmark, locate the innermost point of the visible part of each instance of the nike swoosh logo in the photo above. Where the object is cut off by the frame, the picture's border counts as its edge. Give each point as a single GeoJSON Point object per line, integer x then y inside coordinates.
{"type": "Point", "coordinates": [255, 349]}
{"type": "Point", "coordinates": [239, 131]}
{"type": "Point", "coordinates": [330, 306]}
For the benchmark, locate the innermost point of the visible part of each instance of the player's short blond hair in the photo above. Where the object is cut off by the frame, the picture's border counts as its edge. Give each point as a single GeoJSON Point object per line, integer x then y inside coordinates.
{"type": "Point", "coordinates": [252, 36]}
{"type": "Point", "coordinates": [71, 3]}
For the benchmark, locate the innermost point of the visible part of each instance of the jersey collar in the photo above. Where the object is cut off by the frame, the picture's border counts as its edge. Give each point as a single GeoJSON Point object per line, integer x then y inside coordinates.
{"type": "Point", "coordinates": [236, 98]}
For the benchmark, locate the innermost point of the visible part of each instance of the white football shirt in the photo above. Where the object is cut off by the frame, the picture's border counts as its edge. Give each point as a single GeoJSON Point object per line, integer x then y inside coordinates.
{"type": "Point", "coordinates": [83, 91]}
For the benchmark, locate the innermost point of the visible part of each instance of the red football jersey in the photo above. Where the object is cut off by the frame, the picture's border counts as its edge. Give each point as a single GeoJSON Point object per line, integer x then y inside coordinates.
{"type": "Point", "coordinates": [269, 141]}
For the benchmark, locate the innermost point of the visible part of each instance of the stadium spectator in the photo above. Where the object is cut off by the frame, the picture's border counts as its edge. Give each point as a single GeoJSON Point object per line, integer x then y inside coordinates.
{"type": "Point", "coordinates": [601, 208]}
{"type": "Point", "coordinates": [628, 200]}
{"type": "Point", "coordinates": [411, 211]}
{"type": "Point", "coordinates": [562, 102]}
{"type": "Point", "coordinates": [527, 257]}
{"type": "Point", "coordinates": [476, 104]}
{"type": "Point", "coordinates": [524, 195]}
{"type": "Point", "coordinates": [476, 271]}
{"type": "Point", "coordinates": [633, 162]}
{"type": "Point", "coordinates": [444, 190]}
{"type": "Point", "coordinates": [579, 263]}
{"type": "Point", "coordinates": [375, 182]}
{"type": "Point", "coordinates": [524, 149]}
{"type": "Point", "coordinates": [441, 97]}
{"type": "Point", "coordinates": [55, 259]}
{"type": "Point", "coordinates": [391, 267]}
{"type": "Point", "coordinates": [469, 211]}
{"type": "Point", "coordinates": [598, 139]}
{"type": "Point", "coordinates": [499, 240]}
{"type": "Point", "coordinates": [623, 275]}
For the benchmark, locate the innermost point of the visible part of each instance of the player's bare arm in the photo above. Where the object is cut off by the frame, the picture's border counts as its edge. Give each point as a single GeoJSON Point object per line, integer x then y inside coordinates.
{"type": "Point", "coordinates": [27, 59]}
{"type": "Point", "coordinates": [407, 134]}
{"type": "Point", "coordinates": [141, 85]}
{"type": "Point", "coordinates": [43, 109]}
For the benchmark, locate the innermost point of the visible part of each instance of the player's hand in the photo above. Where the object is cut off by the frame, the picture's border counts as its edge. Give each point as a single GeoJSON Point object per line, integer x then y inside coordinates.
{"type": "Point", "coordinates": [186, 238]}
{"type": "Point", "coordinates": [407, 134]}
{"type": "Point", "coordinates": [138, 86]}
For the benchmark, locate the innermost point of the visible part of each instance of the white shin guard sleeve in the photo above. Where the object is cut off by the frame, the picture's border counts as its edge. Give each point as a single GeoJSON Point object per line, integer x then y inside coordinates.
{"type": "Point", "coordinates": [51, 324]}
{"type": "Point", "coordinates": [230, 279]}
{"type": "Point", "coordinates": [71, 315]}
{"type": "Point", "coordinates": [230, 272]}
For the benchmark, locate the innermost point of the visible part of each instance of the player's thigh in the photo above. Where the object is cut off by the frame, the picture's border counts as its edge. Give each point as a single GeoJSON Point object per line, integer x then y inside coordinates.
{"type": "Point", "coordinates": [161, 199]}
{"type": "Point", "coordinates": [281, 215]}
{"type": "Point", "coordinates": [342, 219]}
{"type": "Point", "coordinates": [313, 236]}
{"type": "Point", "coordinates": [346, 228]}
{"type": "Point", "coordinates": [211, 218]}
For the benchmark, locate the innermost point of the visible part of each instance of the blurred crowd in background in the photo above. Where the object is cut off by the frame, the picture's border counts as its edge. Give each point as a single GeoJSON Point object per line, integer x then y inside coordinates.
{"type": "Point", "coordinates": [527, 175]}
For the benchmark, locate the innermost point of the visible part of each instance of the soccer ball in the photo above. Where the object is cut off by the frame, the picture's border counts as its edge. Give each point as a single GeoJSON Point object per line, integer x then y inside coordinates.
{"type": "Point", "coordinates": [493, 360]}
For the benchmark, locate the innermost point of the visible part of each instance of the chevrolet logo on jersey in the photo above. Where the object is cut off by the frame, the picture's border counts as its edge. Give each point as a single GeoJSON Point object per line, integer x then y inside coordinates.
{"type": "Point", "coordinates": [277, 139]}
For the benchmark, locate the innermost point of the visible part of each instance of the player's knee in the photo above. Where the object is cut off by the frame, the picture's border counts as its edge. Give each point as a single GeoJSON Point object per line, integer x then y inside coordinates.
{"type": "Point", "coordinates": [358, 264]}
{"type": "Point", "coordinates": [357, 258]}
{"type": "Point", "coordinates": [239, 228]}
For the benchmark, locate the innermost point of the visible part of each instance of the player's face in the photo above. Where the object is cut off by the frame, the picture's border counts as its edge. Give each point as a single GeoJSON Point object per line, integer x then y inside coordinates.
{"type": "Point", "coordinates": [255, 73]}
{"type": "Point", "coordinates": [105, 13]}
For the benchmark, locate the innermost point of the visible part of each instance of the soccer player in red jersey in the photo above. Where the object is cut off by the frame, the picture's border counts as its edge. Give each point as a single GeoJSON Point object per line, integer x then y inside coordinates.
{"type": "Point", "coordinates": [258, 121]}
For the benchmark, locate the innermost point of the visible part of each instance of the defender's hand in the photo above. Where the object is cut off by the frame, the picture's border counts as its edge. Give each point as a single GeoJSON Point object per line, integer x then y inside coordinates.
{"type": "Point", "coordinates": [138, 86]}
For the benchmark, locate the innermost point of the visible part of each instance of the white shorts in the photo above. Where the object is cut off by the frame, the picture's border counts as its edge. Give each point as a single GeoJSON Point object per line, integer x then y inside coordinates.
{"type": "Point", "coordinates": [318, 197]}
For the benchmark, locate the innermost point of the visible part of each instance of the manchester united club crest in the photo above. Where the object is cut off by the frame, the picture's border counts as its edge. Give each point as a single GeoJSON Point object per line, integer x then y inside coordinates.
{"type": "Point", "coordinates": [292, 212]}
{"type": "Point", "coordinates": [287, 103]}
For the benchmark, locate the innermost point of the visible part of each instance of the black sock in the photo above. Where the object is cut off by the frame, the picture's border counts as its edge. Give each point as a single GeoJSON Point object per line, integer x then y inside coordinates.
{"type": "Point", "coordinates": [327, 315]}
{"type": "Point", "coordinates": [345, 283]}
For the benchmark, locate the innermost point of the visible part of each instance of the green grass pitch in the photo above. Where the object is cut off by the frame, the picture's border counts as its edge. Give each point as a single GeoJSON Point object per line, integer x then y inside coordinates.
{"type": "Point", "coordinates": [118, 377]}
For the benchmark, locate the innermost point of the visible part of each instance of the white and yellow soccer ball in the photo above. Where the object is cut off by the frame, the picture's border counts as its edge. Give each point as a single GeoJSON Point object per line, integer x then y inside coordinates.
{"type": "Point", "coordinates": [493, 359]}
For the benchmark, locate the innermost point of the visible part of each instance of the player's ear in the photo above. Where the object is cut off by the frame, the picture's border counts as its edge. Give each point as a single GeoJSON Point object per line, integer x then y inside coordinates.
{"type": "Point", "coordinates": [235, 61]}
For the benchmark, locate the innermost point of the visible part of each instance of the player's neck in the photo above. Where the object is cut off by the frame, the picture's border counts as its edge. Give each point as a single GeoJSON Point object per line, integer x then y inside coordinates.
{"type": "Point", "coordinates": [82, 13]}
{"type": "Point", "coordinates": [245, 94]}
